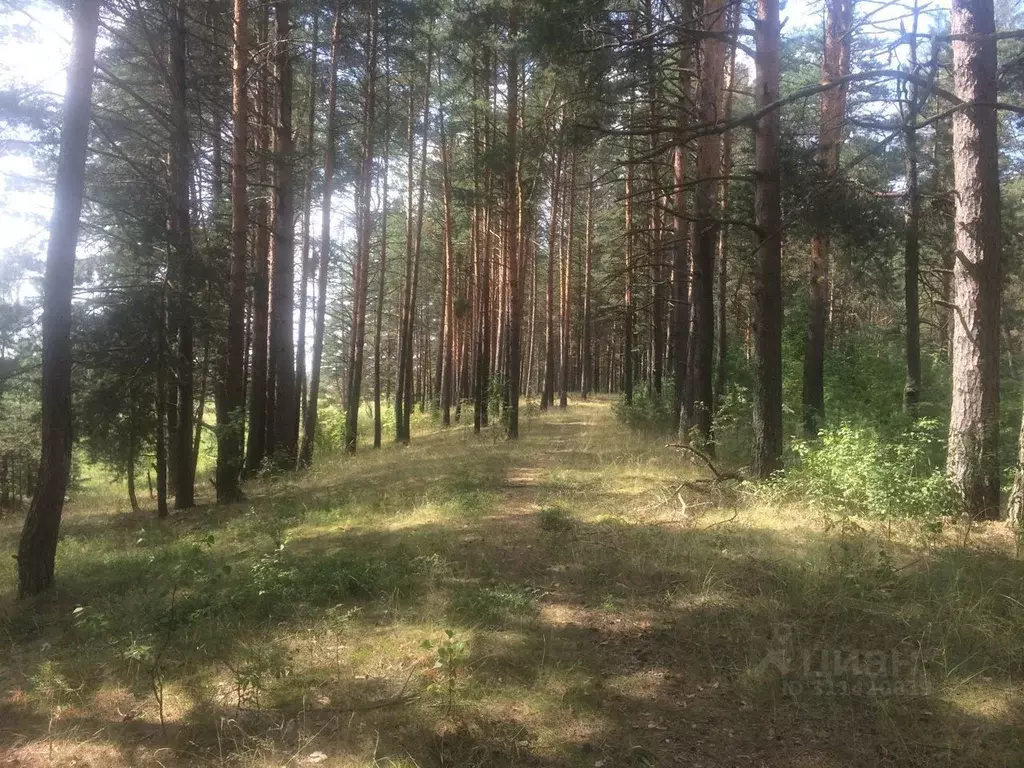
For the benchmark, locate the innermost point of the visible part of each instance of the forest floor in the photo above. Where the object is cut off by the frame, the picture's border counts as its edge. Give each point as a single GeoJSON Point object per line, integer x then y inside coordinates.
{"type": "Point", "coordinates": [584, 597]}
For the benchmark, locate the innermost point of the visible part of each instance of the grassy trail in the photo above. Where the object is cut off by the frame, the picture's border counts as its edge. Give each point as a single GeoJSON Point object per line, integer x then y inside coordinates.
{"type": "Point", "coordinates": [583, 597]}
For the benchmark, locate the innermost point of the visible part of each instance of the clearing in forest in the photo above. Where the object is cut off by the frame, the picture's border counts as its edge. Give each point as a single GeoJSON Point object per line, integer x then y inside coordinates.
{"type": "Point", "coordinates": [580, 598]}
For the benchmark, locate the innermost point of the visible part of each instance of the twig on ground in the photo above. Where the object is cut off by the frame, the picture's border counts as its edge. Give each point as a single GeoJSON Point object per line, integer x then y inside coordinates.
{"type": "Point", "coordinates": [719, 474]}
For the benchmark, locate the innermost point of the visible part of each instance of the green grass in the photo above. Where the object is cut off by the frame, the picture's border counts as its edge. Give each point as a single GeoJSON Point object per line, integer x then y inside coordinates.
{"type": "Point", "coordinates": [613, 611]}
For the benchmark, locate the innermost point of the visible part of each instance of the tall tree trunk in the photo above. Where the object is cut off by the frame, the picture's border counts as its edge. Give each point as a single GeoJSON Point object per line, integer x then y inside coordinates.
{"type": "Point", "coordinates": [307, 211]}
{"type": "Point", "coordinates": [627, 341]}
{"type": "Point", "coordinates": [447, 329]}
{"type": "Point", "coordinates": [403, 340]}
{"type": "Point", "coordinates": [284, 436]}
{"type": "Point", "coordinates": [835, 64]}
{"type": "Point", "coordinates": [417, 247]}
{"type": "Point", "coordinates": [588, 266]}
{"type": "Point", "coordinates": [160, 447]}
{"type": "Point", "coordinates": [37, 549]}
{"type": "Point", "coordinates": [721, 315]}
{"type": "Point", "coordinates": [680, 330]}
{"type": "Point", "coordinates": [180, 234]}
{"type": "Point", "coordinates": [363, 237]}
{"type": "Point", "coordinates": [230, 433]}
{"type": "Point", "coordinates": [320, 321]}
{"type": "Point", "coordinates": [383, 267]}
{"type": "Point", "coordinates": [973, 450]}
{"type": "Point", "coordinates": [548, 395]}
{"type": "Point", "coordinates": [482, 352]}
{"type": "Point", "coordinates": [566, 290]}
{"type": "Point", "coordinates": [512, 212]}
{"type": "Point", "coordinates": [699, 383]}
{"type": "Point", "coordinates": [912, 248]}
{"type": "Point", "coordinates": [767, 289]}
{"type": "Point", "coordinates": [256, 449]}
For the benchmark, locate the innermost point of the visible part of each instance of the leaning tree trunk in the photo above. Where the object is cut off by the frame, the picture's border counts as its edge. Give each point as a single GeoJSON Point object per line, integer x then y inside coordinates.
{"type": "Point", "coordinates": [973, 449]}
{"type": "Point", "coordinates": [37, 549]}
{"type": "Point", "coordinates": [835, 64]}
{"type": "Point", "coordinates": [767, 289]}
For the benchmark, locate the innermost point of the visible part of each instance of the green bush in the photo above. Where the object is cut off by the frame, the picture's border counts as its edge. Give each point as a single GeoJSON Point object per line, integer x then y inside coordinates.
{"type": "Point", "coordinates": [853, 470]}
{"type": "Point", "coordinates": [649, 412]}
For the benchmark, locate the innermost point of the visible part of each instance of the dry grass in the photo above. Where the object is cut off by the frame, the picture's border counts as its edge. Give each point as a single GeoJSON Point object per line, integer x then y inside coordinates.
{"type": "Point", "coordinates": [611, 614]}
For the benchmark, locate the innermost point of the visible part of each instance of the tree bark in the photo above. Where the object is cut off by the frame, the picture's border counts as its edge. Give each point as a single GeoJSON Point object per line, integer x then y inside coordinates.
{"type": "Point", "coordinates": [37, 549]}
{"type": "Point", "coordinates": [588, 266]}
{"type": "Point", "coordinates": [548, 394]}
{"type": "Point", "coordinates": [680, 331]}
{"type": "Point", "coordinates": [355, 375]}
{"type": "Point", "coordinates": [256, 448]}
{"type": "Point", "coordinates": [973, 450]}
{"type": "Point", "coordinates": [283, 437]}
{"type": "Point", "coordinates": [699, 383]}
{"type": "Point", "coordinates": [835, 64]}
{"type": "Point", "coordinates": [230, 433]}
{"type": "Point", "coordinates": [512, 212]}
{"type": "Point", "coordinates": [912, 248]}
{"type": "Point", "coordinates": [767, 289]}
{"type": "Point", "coordinates": [323, 268]}
{"type": "Point", "coordinates": [566, 292]}
{"type": "Point", "coordinates": [180, 235]}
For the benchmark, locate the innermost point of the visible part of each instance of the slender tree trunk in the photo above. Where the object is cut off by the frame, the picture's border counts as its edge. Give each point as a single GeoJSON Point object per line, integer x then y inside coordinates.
{"type": "Point", "coordinates": [588, 266]}
{"type": "Point", "coordinates": [284, 436]}
{"type": "Point", "coordinates": [37, 549]}
{"type": "Point", "coordinates": [482, 351]}
{"type": "Point", "coordinates": [364, 236]}
{"type": "Point", "coordinates": [912, 248]}
{"type": "Point", "coordinates": [721, 314]}
{"type": "Point", "coordinates": [699, 383]}
{"type": "Point", "coordinates": [133, 498]}
{"type": "Point", "coordinates": [161, 408]}
{"type": "Point", "coordinates": [230, 433]}
{"type": "Point", "coordinates": [566, 289]}
{"type": "Point", "coordinates": [383, 267]}
{"type": "Point", "coordinates": [767, 289]}
{"type": "Point", "coordinates": [680, 253]}
{"type": "Point", "coordinates": [447, 329]}
{"type": "Point", "coordinates": [403, 340]}
{"type": "Point", "coordinates": [256, 449]}
{"type": "Point", "coordinates": [835, 64]}
{"type": "Point", "coordinates": [323, 269]}
{"type": "Point", "coordinates": [548, 395]}
{"type": "Point", "coordinates": [627, 378]}
{"type": "Point", "coordinates": [180, 234]}
{"type": "Point", "coordinates": [417, 249]}
{"type": "Point", "coordinates": [307, 211]}
{"type": "Point", "coordinates": [512, 212]}
{"type": "Point", "coordinates": [973, 450]}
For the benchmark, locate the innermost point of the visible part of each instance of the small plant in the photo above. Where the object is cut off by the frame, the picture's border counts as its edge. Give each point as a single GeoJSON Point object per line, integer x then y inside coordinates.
{"type": "Point", "coordinates": [452, 653]}
{"type": "Point", "coordinates": [259, 666]}
{"type": "Point", "coordinates": [52, 687]}
{"type": "Point", "coordinates": [555, 519]}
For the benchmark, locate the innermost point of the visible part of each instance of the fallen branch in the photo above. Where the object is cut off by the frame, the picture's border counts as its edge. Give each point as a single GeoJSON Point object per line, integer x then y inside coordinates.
{"type": "Point", "coordinates": [719, 474]}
